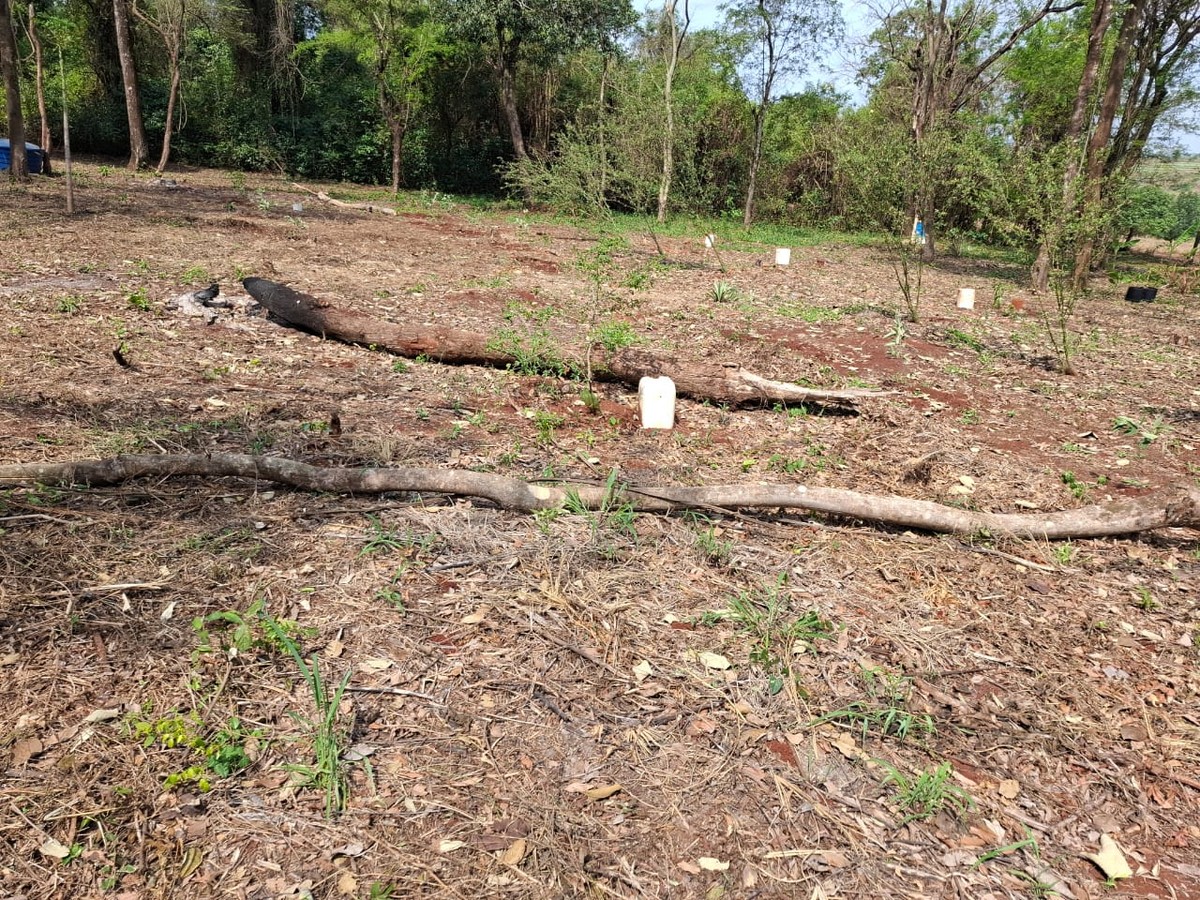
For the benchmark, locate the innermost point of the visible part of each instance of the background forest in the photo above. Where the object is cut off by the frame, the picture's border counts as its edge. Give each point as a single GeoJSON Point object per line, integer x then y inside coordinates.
{"type": "Point", "coordinates": [1019, 125]}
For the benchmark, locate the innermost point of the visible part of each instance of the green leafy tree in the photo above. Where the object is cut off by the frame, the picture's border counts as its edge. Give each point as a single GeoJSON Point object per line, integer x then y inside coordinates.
{"type": "Point", "coordinates": [514, 29]}
{"type": "Point", "coordinates": [777, 39]}
{"type": "Point", "coordinates": [400, 42]}
{"type": "Point", "coordinates": [932, 62]}
{"type": "Point", "coordinates": [169, 19]}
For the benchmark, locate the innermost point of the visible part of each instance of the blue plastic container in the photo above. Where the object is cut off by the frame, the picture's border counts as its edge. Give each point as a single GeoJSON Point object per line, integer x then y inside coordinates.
{"type": "Point", "coordinates": [33, 153]}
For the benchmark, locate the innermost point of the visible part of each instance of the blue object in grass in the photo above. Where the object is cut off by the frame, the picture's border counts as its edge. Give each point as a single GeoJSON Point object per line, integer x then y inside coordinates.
{"type": "Point", "coordinates": [33, 154]}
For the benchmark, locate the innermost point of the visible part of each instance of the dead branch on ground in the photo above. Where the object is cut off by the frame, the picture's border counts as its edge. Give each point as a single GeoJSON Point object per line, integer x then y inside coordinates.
{"type": "Point", "coordinates": [345, 204]}
{"type": "Point", "coordinates": [1179, 508]}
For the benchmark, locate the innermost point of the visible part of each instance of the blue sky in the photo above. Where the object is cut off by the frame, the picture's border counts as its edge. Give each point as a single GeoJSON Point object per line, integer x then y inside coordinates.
{"type": "Point", "coordinates": [838, 67]}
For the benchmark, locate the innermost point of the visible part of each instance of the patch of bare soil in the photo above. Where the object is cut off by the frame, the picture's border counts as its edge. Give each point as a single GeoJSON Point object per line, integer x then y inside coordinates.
{"type": "Point", "coordinates": [574, 705]}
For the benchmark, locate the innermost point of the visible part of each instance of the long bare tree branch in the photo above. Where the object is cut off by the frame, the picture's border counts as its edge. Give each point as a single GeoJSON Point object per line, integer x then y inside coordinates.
{"type": "Point", "coordinates": [1170, 509]}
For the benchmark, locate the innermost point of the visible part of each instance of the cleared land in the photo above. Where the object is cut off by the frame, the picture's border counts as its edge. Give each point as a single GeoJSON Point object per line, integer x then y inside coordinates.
{"type": "Point", "coordinates": [577, 705]}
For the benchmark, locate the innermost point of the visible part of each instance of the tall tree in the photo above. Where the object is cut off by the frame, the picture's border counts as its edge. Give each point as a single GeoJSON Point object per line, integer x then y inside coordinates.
{"type": "Point", "coordinates": [941, 53]}
{"type": "Point", "coordinates": [168, 18]}
{"type": "Point", "coordinates": [399, 41]}
{"type": "Point", "coordinates": [779, 38]}
{"type": "Point", "coordinates": [1097, 145]}
{"type": "Point", "coordinates": [18, 166]}
{"type": "Point", "coordinates": [509, 28]}
{"type": "Point", "coordinates": [407, 43]}
{"type": "Point", "coordinates": [1154, 47]}
{"type": "Point", "coordinates": [676, 30]}
{"type": "Point", "coordinates": [39, 84]}
{"type": "Point", "coordinates": [138, 148]}
{"type": "Point", "coordinates": [1098, 28]}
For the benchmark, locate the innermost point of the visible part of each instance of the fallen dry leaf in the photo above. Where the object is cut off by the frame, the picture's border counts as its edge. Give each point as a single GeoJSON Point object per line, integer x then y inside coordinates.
{"type": "Point", "coordinates": [55, 850]}
{"type": "Point", "coordinates": [101, 715]}
{"type": "Point", "coordinates": [835, 859]}
{"type": "Point", "coordinates": [450, 846]}
{"type": "Point", "coordinates": [712, 864]}
{"type": "Point", "coordinates": [643, 670]}
{"type": "Point", "coordinates": [1134, 732]}
{"type": "Point", "coordinates": [1110, 859]}
{"type": "Point", "coordinates": [514, 854]}
{"type": "Point", "coordinates": [847, 746]}
{"type": "Point", "coordinates": [603, 792]}
{"type": "Point", "coordinates": [714, 660]}
{"type": "Point", "coordinates": [374, 664]}
{"type": "Point", "coordinates": [25, 750]}
{"type": "Point", "coordinates": [1009, 788]}
{"type": "Point", "coordinates": [347, 884]}
{"type": "Point", "coordinates": [476, 617]}
{"type": "Point", "coordinates": [334, 649]}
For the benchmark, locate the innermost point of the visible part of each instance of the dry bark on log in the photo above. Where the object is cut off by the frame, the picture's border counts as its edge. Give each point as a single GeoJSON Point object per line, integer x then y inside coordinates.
{"type": "Point", "coordinates": [705, 381]}
{"type": "Point", "coordinates": [1169, 509]}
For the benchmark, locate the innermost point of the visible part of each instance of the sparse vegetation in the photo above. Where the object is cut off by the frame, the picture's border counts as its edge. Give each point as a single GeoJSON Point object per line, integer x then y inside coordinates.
{"type": "Point", "coordinates": [928, 793]}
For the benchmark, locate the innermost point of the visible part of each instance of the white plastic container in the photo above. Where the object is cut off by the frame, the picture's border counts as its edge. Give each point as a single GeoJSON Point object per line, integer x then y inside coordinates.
{"type": "Point", "coordinates": [783, 256]}
{"type": "Point", "coordinates": [656, 398]}
{"type": "Point", "coordinates": [966, 298]}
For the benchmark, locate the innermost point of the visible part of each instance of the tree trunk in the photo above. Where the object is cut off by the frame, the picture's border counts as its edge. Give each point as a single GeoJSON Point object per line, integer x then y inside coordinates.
{"type": "Point", "coordinates": [1174, 509]}
{"type": "Point", "coordinates": [172, 97]}
{"type": "Point", "coordinates": [1098, 144]}
{"type": "Point", "coordinates": [1101, 18]}
{"type": "Point", "coordinates": [396, 126]}
{"type": "Point", "coordinates": [710, 381]}
{"type": "Point", "coordinates": [506, 68]}
{"type": "Point", "coordinates": [18, 165]}
{"type": "Point", "coordinates": [760, 121]}
{"type": "Point", "coordinates": [39, 84]}
{"type": "Point", "coordinates": [668, 156]}
{"type": "Point", "coordinates": [138, 150]}
{"type": "Point", "coordinates": [602, 121]}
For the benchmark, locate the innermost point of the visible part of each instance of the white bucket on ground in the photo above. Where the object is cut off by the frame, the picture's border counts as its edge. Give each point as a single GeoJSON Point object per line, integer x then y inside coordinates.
{"type": "Point", "coordinates": [966, 298]}
{"type": "Point", "coordinates": [656, 397]}
{"type": "Point", "coordinates": [783, 256]}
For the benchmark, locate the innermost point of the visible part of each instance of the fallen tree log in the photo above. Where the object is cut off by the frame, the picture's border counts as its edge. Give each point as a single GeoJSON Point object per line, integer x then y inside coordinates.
{"type": "Point", "coordinates": [705, 381]}
{"type": "Point", "coordinates": [345, 204]}
{"type": "Point", "coordinates": [1169, 509]}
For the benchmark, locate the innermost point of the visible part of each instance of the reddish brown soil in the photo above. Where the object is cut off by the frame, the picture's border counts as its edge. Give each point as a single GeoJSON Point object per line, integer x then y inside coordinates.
{"type": "Point", "coordinates": [508, 672]}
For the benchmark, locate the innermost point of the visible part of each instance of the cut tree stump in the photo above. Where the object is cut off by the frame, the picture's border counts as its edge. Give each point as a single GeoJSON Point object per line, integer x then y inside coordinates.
{"type": "Point", "coordinates": [1179, 508]}
{"type": "Point", "coordinates": [720, 383]}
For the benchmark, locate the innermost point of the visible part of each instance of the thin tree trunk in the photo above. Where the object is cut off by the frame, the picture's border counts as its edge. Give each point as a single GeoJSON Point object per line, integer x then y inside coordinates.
{"type": "Point", "coordinates": [39, 84]}
{"type": "Point", "coordinates": [602, 119]}
{"type": "Point", "coordinates": [925, 115]}
{"type": "Point", "coordinates": [172, 97]}
{"type": "Point", "coordinates": [668, 157]}
{"type": "Point", "coordinates": [1101, 18]}
{"type": "Point", "coordinates": [18, 165]}
{"type": "Point", "coordinates": [138, 150]}
{"type": "Point", "coordinates": [506, 66]}
{"type": "Point", "coordinates": [62, 75]}
{"type": "Point", "coordinates": [1101, 134]}
{"type": "Point", "coordinates": [760, 120]}
{"type": "Point", "coordinates": [396, 126]}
